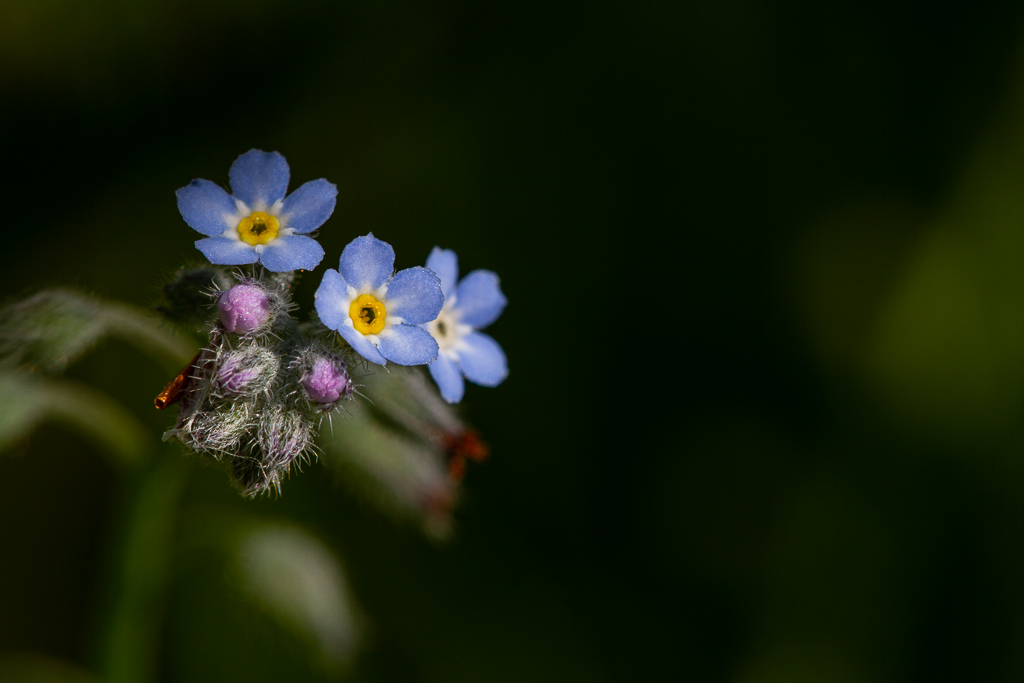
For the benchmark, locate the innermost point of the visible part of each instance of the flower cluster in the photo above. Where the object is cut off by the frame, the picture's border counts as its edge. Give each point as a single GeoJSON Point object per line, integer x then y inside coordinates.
{"type": "Point", "coordinates": [255, 395]}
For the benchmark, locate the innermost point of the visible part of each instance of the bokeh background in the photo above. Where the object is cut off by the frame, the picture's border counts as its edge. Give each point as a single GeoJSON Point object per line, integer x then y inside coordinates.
{"type": "Point", "coordinates": [765, 264]}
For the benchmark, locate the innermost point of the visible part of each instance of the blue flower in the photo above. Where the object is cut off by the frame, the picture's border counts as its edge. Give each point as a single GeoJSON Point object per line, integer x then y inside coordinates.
{"type": "Point", "coordinates": [257, 222]}
{"type": "Point", "coordinates": [375, 312]}
{"type": "Point", "coordinates": [474, 304]}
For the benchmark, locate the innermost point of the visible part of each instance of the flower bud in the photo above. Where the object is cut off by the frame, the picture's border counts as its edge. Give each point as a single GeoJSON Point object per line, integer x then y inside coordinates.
{"type": "Point", "coordinates": [214, 430]}
{"type": "Point", "coordinates": [244, 308]}
{"type": "Point", "coordinates": [284, 436]}
{"type": "Point", "coordinates": [247, 371]}
{"type": "Point", "coordinates": [327, 381]}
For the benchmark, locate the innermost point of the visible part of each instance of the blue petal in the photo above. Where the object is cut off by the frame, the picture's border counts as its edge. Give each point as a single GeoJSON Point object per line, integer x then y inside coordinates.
{"type": "Point", "coordinates": [292, 252]}
{"type": "Point", "coordinates": [414, 295]}
{"type": "Point", "coordinates": [310, 206]}
{"type": "Point", "coordinates": [482, 359]}
{"type": "Point", "coordinates": [445, 265]}
{"type": "Point", "coordinates": [407, 345]}
{"type": "Point", "coordinates": [449, 378]}
{"type": "Point", "coordinates": [259, 178]}
{"type": "Point", "coordinates": [479, 299]}
{"type": "Point", "coordinates": [225, 251]}
{"type": "Point", "coordinates": [361, 344]}
{"type": "Point", "coordinates": [332, 301]}
{"type": "Point", "coordinates": [367, 263]}
{"type": "Point", "coordinates": [207, 207]}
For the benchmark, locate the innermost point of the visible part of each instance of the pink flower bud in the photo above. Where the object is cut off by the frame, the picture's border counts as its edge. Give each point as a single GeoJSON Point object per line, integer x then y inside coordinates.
{"type": "Point", "coordinates": [244, 308]}
{"type": "Point", "coordinates": [327, 381]}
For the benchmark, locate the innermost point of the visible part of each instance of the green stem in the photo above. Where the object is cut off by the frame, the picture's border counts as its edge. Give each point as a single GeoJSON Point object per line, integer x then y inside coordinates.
{"type": "Point", "coordinates": [140, 571]}
{"type": "Point", "coordinates": [136, 326]}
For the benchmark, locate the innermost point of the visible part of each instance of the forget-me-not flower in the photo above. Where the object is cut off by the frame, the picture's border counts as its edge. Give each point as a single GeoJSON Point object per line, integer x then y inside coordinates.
{"type": "Point", "coordinates": [376, 313]}
{"type": "Point", "coordinates": [256, 222]}
{"type": "Point", "coordinates": [474, 304]}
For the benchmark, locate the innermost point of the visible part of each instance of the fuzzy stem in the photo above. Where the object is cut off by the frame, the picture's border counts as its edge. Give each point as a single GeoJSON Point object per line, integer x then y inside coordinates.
{"type": "Point", "coordinates": [140, 570]}
{"type": "Point", "coordinates": [136, 326]}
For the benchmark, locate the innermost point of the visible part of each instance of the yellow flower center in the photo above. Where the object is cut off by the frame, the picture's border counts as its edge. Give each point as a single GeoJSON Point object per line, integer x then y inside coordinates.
{"type": "Point", "coordinates": [367, 314]}
{"type": "Point", "coordinates": [258, 228]}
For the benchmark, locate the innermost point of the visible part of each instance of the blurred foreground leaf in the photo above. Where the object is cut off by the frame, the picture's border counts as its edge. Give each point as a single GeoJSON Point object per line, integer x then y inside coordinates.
{"type": "Point", "coordinates": [26, 401]}
{"type": "Point", "coordinates": [789, 663]}
{"type": "Point", "coordinates": [29, 668]}
{"type": "Point", "coordinates": [924, 307]}
{"type": "Point", "coordinates": [298, 580]}
{"type": "Point", "coordinates": [138, 573]}
{"type": "Point", "coordinates": [52, 329]}
{"type": "Point", "coordinates": [281, 592]}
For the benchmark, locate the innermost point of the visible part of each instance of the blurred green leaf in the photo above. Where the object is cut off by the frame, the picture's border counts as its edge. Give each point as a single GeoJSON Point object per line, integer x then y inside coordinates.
{"type": "Point", "coordinates": [53, 328]}
{"type": "Point", "coordinates": [284, 572]}
{"type": "Point", "coordinates": [138, 576]}
{"type": "Point", "coordinates": [31, 668]}
{"type": "Point", "coordinates": [26, 401]}
{"type": "Point", "coordinates": [794, 663]}
{"type": "Point", "coordinates": [926, 310]}
{"type": "Point", "coordinates": [300, 582]}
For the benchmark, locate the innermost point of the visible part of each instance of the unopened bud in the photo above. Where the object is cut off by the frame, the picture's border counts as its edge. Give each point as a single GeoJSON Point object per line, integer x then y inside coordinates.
{"type": "Point", "coordinates": [246, 372]}
{"type": "Point", "coordinates": [327, 381]}
{"type": "Point", "coordinates": [284, 435]}
{"type": "Point", "coordinates": [244, 308]}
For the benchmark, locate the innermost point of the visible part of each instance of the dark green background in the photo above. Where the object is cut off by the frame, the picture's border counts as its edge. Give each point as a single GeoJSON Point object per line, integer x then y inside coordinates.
{"type": "Point", "coordinates": [764, 263]}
